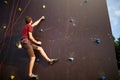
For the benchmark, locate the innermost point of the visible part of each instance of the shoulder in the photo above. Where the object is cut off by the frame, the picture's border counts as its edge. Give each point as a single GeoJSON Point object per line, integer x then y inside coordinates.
{"type": "Point", "coordinates": [28, 26]}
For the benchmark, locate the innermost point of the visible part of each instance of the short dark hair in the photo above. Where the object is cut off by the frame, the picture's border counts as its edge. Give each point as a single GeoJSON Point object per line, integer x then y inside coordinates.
{"type": "Point", "coordinates": [28, 19]}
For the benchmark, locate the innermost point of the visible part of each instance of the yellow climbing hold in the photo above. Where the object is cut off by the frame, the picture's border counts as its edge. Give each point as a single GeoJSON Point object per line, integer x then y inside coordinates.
{"type": "Point", "coordinates": [19, 9]}
{"type": "Point", "coordinates": [12, 77]}
{"type": "Point", "coordinates": [43, 6]}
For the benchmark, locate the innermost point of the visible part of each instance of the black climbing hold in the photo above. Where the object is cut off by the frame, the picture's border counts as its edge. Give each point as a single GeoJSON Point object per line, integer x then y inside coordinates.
{"type": "Point", "coordinates": [98, 41]}
{"type": "Point", "coordinates": [72, 20]}
{"type": "Point", "coordinates": [71, 59]}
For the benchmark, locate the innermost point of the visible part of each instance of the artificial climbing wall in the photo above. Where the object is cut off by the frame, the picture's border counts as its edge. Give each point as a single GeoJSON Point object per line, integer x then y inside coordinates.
{"type": "Point", "coordinates": [77, 32]}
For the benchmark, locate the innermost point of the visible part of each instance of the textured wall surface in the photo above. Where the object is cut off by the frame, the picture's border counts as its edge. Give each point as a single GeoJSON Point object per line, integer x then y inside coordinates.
{"type": "Point", "coordinates": [75, 29]}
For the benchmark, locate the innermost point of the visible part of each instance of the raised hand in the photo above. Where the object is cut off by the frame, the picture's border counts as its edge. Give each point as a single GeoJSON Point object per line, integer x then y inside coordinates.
{"type": "Point", "coordinates": [43, 17]}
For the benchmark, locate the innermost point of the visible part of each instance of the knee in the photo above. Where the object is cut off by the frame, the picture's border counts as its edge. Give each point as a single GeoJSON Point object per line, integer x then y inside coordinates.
{"type": "Point", "coordinates": [39, 48]}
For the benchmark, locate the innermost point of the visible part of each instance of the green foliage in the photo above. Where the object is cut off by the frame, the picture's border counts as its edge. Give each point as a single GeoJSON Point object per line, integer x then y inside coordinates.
{"type": "Point", "coordinates": [117, 51]}
{"type": "Point", "coordinates": [117, 46]}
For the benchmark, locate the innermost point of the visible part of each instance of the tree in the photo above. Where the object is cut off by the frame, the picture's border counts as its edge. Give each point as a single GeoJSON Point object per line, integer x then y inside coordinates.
{"type": "Point", "coordinates": [117, 46]}
{"type": "Point", "coordinates": [117, 50]}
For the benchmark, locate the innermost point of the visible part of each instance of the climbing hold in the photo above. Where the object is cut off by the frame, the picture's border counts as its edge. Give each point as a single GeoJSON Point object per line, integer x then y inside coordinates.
{"type": "Point", "coordinates": [43, 6]}
{"type": "Point", "coordinates": [74, 24]}
{"type": "Point", "coordinates": [71, 59]}
{"type": "Point", "coordinates": [41, 30]}
{"type": "Point", "coordinates": [102, 78]}
{"type": "Point", "coordinates": [98, 41]}
{"type": "Point", "coordinates": [19, 9]}
{"type": "Point", "coordinates": [12, 77]}
{"type": "Point", "coordinates": [18, 45]}
{"type": "Point", "coordinates": [72, 20]}
{"type": "Point", "coordinates": [85, 1]}
{"type": "Point", "coordinates": [4, 27]}
{"type": "Point", "coordinates": [5, 2]}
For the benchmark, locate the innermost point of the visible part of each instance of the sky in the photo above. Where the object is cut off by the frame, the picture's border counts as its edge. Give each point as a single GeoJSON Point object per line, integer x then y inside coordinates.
{"type": "Point", "coordinates": [114, 15]}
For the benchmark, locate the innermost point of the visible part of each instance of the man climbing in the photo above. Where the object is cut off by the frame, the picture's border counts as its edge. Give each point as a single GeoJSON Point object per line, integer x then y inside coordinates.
{"type": "Point", "coordinates": [30, 44]}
